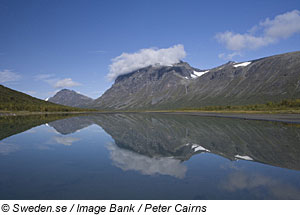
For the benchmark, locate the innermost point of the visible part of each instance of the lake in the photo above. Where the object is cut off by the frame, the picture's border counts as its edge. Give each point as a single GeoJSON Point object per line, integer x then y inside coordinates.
{"type": "Point", "coordinates": [147, 156]}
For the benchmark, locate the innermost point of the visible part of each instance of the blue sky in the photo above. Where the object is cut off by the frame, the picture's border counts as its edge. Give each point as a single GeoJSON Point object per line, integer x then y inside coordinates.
{"type": "Point", "coordinates": [46, 45]}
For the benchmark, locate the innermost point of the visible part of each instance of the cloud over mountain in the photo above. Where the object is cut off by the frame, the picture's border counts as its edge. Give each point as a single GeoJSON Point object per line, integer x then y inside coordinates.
{"type": "Point", "coordinates": [128, 62]}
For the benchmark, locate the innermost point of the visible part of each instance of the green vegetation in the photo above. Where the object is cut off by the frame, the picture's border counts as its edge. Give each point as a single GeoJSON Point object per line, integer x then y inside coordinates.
{"type": "Point", "coordinates": [10, 125]}
{"type": "Point", "coordinates": [286, 105]}
{"type": "Point", "coordinates": [11, 100]}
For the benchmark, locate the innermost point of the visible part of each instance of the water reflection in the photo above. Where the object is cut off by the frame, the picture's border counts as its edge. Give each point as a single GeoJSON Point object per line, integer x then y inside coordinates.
{"type": "Point", "coordinates": [128, 160]}
{"type": "Point", "coordinates": [259, 185]}
{"type": "Point", "coordinates": [180, 137]}
{"type": "Point", "coordinates": [115, 156]}
{"type": "Point", "coordinates": [67, 141]}
{"type": "Point", "coordinates": [7, 148]}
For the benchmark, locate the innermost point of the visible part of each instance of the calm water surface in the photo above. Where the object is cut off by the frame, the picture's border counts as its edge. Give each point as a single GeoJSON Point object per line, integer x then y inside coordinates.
{"type": "Point", "coordinates": [148, 156]}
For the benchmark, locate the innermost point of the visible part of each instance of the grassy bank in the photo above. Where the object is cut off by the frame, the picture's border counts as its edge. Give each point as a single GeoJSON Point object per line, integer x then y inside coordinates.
{"type": "Point", "coordinates": [15, 101]}
{"type": "Point", "coordinates": [284, 106]}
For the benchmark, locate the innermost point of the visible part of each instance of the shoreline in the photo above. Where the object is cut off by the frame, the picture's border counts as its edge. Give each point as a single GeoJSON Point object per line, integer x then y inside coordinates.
{"type": "Point", "coordinates": [262, 116]}
{"type": "Point", "coordinates": [273, 117]}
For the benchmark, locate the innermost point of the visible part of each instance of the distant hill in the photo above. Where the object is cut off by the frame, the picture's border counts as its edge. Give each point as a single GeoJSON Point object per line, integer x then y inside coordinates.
{"type": "Point", "coordinates": [70, 98]}
{"type": "Point", "coordinates": [178, 86]}
{"type": "Point", "coordinates": [12, 100]}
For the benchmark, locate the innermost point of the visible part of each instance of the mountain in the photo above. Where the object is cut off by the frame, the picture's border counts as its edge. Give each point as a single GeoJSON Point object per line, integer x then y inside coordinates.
{"type": "Point", "coordinates": [148, 87]}
{"type": "Point", "coordinates": [70, 98]}
{"type": "Point", "coordinates": [182, 86]}
{"type": "Point", "coordinates": [12, 100]}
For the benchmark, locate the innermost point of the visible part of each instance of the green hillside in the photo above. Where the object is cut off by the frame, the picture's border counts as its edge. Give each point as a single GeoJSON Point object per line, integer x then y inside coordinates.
{"type": "Point", "coordinates": [12, 100]}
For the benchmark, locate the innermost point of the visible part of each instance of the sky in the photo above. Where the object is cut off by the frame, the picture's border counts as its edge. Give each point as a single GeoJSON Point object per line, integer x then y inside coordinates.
{"type": "Point", "coordinates": [48, 45]}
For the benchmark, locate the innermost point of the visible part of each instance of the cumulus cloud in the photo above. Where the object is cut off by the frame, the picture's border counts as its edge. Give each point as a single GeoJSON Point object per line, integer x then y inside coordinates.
{"type": "Point", "coordinates": [265, 33]}
{"type": "Point", "coordinates": [283, 25]}
{"type": "Point", "coordinates": [128, 62]}
{"type": "Point", "coordinates": [67, 82]}
{"type": "Point", "coordinates": [8, 76]}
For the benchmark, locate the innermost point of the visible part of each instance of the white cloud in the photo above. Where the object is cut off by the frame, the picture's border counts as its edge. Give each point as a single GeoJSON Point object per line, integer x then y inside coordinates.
{"type": "Point", "coordinates": [43, 77]}
{"type": "Point", "coordinates": [237, 42]}
{"type": "Point", "coordinates": [48, 78]}
{"type": "Point", "coordinates": [265, 33]}
{"type": "Point", "coordinates": [229, 56]}
{"type": "Point", "coordinates": [67, 82]}
{"type": "Point", "coordinates": [8, 76]}
{"type": "Point", "coordinates": [56, 82]}
{"type": "Point", "coordinates": [283, 25]}
{"type": "Point", "coordinates": [126, 62]}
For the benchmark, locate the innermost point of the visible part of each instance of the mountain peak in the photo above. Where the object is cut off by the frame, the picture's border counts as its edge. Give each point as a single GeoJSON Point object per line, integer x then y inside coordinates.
{"type": "Point", "coordinates": [182, 68]}
{"type": "Point", "coordinates": [66, 90]}
{"type": "Point", "coordinates": [70, 98]}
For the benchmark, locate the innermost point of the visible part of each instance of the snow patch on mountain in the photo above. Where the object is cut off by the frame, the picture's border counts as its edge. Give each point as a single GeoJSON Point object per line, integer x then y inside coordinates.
{"type": "Point", "coordinates": [241, 64]}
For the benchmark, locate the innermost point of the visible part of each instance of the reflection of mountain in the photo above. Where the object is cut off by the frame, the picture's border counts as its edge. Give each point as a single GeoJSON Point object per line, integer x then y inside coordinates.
{"type": "Point", "coordinates": [16, 124]}
{"type": "Point", "coordinates": [71, 125]}
{"type": "Point", "coordinates": [149, 135]}
{"type": "Point", "coordinates": [181, 136]}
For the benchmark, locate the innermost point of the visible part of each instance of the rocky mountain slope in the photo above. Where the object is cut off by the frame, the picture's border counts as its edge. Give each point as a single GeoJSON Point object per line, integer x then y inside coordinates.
{"type": "Point", "coordinates": [70, 98]}
{"type": "Point", "coordinates": [148, 87]}
{"type": "Point", "coordinates": [182, 86]}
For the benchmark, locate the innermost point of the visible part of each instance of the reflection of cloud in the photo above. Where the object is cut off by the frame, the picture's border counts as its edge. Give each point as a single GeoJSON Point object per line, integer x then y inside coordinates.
{"type": "Point", "coordinates": [239, 181]}
{"type": "Point", "coordinates": [7, 148]}
{"type": "Point", "coordinates": [128, 160]}
{"type": "Point", "coordinates": [67, 141]}
{"type": "Point", "coordinates": [250, 182]}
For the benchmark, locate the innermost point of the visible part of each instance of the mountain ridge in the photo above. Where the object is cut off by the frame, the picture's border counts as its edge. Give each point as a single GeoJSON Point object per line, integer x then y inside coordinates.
{"type": "Point", "coordinates": [172, 87]}
{"type": "Point", "coordinates": [180, 86]}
